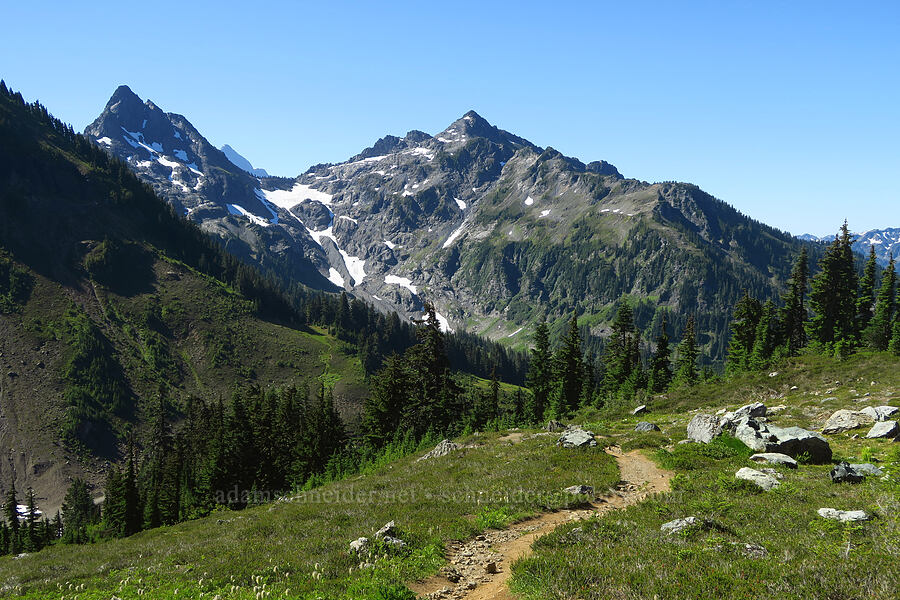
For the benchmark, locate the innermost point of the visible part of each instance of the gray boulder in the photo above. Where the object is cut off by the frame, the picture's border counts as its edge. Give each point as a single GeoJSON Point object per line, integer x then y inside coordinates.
{"type": "Point", "coordinates": [703, 428]}
{"type": "Point", "coordinates": [553, 426]}
{"type": "Point", "coordinates": [844, 473]}
{"type": "Point", "coordinates": [393, 542]}
{"type": "Point", "coordinates": [884, 429]}
{"type": "Point", "coordinates": [389, 529]}
{"type": "Point", "coordinates": [763, 480]}
{"type": "Point", "coordinates": [580, 489]}
{"type": "Point", "coordinates": [795, 441]}
{"type": "Point", "coordinates": [679, 525]}
{"type": "Point", "coordinates": [880, 413]}
{"type": "Point", "coordinates": [753, 434]}
{"type": "Point", "coordinates": [443, 448]}
{"type": "Point", "coordinates": [645, 426]}
{"type": "Point", "coordinates": [775, 458]}
{"type": "Point", "coordinates": [576, 438]}
{"type": "Point", "coordinates": [845, 420]}
{"type": "Point", "coordinates": [640, 409]}
{"type": "Point", "coordinates": [867, 469]}
{"type": "Point", "coordinates": [757, 409]}
{"type": "Point", "coordinates": [845, 516]}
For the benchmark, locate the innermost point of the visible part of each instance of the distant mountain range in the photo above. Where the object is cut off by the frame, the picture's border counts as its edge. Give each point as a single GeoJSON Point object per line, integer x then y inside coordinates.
{"type": "Point", "coordinates": [885, 241]}
{"type": "Point", "coordinates": [497, 232]}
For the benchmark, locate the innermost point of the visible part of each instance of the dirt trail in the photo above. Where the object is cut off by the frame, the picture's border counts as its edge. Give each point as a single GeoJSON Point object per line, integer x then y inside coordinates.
{"type": "Point", "coordinates": [471, 562]}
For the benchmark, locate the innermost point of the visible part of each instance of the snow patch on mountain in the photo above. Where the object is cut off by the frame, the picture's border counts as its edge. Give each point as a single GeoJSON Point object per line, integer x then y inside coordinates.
{"type": "Point", "coordinates": [240, 210]}
{"type": "Point", "coordinates": [458, 232]}
{"type": "Point", "coordinates": [401, 281]}
{"type": "Point", "coordinates": [460, 204]}
{"type": "Point", "coordinates": [287, 199]}
{"type": "Point", "coordinates": [335, 277]}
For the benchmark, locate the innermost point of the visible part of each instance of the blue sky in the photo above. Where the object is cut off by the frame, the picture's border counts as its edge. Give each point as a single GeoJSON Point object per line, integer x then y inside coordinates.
{"type": "Point", "coordinates": [789, 111]}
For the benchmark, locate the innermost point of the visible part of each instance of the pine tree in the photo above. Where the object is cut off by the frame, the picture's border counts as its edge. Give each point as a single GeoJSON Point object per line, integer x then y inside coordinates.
{"type": "Point", "coordinates": [388, 394]}
{"type": "Point", "coordinates": [540, 375]}
{"type": "Point", "coordinates": [879, 331]}
{"type": "Point", "coordinates": [794, 315]}
{"type": "Point", "coordinates": [895, 337]}
{"type": "Point", "coordinates": [32, 539]}
{"type": "Point", "coordinates": [686, 358]}
{"type": "Point", "coordinates": [78, 513]}
{"type": "Point", "coordinates": [866, 301]}
{"type": "Point", "coordinates": [569, 371]}
{"type": "Point", "coordinates": [764, 340]}
{"type": "Point", "coordinates": [660, 375]}
{"type": "Point", "coordinates": [621, 356]}
{"type": "Point", "coordinates": [834, 294]}
{"type": "Point", "coordinates": [11, 512]}
{"type": "Point", "coordinates": [745, 321]}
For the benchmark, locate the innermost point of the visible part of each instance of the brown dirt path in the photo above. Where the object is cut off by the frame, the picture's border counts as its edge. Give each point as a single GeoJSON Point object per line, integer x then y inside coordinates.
{"type": "Point", "coordinates": [471, 562]}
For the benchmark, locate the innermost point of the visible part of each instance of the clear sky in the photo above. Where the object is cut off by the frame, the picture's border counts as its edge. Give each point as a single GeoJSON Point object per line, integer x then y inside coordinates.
{"type": "Point", "coordinates": [790, 111]}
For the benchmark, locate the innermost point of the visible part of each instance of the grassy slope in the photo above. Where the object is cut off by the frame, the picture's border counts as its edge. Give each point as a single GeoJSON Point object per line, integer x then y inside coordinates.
{"type": "Point", "coordinates": [625, 554]}
{"type": "Point", "coordinates": [302, 545]}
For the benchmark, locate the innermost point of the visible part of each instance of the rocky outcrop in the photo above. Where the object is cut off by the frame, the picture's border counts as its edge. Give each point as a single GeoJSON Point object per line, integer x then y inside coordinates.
{"type": "Point", "coordinates": [443, 448]}
{"type": "Point", "coordinates": [576, 438]}
{"type": "Point", "coordinates": [845, 420]}
{"type": "Point", "coordinates": [704, 428]}
{"type": "Point", "coordinates": [679, 525]}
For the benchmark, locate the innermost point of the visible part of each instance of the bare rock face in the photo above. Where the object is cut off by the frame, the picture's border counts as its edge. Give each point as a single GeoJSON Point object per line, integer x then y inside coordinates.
{"type": "Point", "coordinates": [845, 420]}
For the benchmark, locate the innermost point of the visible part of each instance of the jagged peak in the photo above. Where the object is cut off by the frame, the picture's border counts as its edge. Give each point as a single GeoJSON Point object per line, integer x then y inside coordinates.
{"type": "Point", "coordinates": [123, 93]}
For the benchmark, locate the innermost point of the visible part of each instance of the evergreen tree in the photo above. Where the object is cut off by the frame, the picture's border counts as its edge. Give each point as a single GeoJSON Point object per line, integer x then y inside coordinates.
{"type": "Point", "coordinates": [388, 394]}
{"type": "Point", "coordinates": [569, 371]}
{"type": "Point", "coordinates": [686, 358]}
{"type": "Point", "coordinates": [744, 324]}
{"type": "Point", "coordinates": [11, 512]}
{"type": "Point", "coordinates": [78, 513]}
{"type": "Point", "coordinates": [764, 339]}
{"type": "Point", "coordinates": [866, 301]}
{"type": "Point", "coordinates": [660, 368]}
{"type": "Point", "coordinates": [540, 375]}
{"type": "Point", "coordinates": [621, 356]}
{"type": "Point", "coordinates": [794, 315]}
{"type": "Point", "coordinates": [879, 331]}
{"type": "Point", "coordinates": [834, 294]}
{"type": "Point", "coordinates": [895, 337]}
{"type": "Point", "coordinates": [32, 537]}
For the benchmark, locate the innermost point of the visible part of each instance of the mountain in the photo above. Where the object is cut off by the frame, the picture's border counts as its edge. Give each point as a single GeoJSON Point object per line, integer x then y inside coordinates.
{"type": "Point", "coordinates": [239, 161]}
{"type": "Point", "coordinates": [497, 232]}
{"type": "Point", "coordinates": [885, 241]}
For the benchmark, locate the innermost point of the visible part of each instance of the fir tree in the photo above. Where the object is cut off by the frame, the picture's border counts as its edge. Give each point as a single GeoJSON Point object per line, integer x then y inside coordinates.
{"type": "Point", "coordinates": [569, 371]}
{"type": "Point", "coordinates": [540, 375]}
{"type": "Point", "coordinates": [747, 313]}
{"type": "Point", "coordinates": [11, 512]}
{"type": "Point", "coordinates": [764, 339]}
{"type": "Point", "coordinates": [660, 368]}
{"type": "Point", "coordinates": [879, 331]}
{"type": "Point", "coordinates": [388, 394]}
{"type": "Point", "coordinates": [78, 513]}
{"type": "Point", "coordinates": [895, 337]}
{"type": "Point", "coordinates": [866, 301]}
{"type": "Point", "coordinates": [834, 294]}
{"type": "Point", "coordinates": [794, 315]}
{"type": "Point", "coordinates": [31, 534]}
{"type": "Point", "coordinates": [621, 356]}
{"type": "Point", "coordinates": [686, 358]}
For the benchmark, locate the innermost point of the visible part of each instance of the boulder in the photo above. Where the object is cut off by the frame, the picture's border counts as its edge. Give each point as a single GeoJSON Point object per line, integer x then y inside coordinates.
{"type": "Point", "coordinates": [775, 458]}
{"type": "Point", "coordinates": [576, 438]}
{"type": "Point", "coordinates": [763, 480]}
{"type": "Point", "coordinates": [845, 420]}
{"type": "Point", "coordinates": [844, 473]}
{"type": "Point", "coordinates": [774, 410]}
{"type": "Point", "coordinates": [703, 428]}
{"type": "Point", "coordinates": [753, 433]}
{"type": "Point", "coordinates": [396, 543]}
{"type": "Point", "coordinates": [679, 525]}
{"type": "Point", "coordinates": [867, 469]}
{"type": "Point", "coordinates": [880, 413]}
{"type": "Point", "coordinates": [389, 529]}
{"type": "Point", "coordinates": [359, 545]}
{"type": "Point", "coordinates": [553, 426]}
{"type": "Point", "coordinates": [757, 409]}
{"type": "Point", "coordinates": [795, 441]}
{"type": "Point", "coordinates": [845, 516]}
{"type": "Point", "coordinates": [580, 489]}
{"type": "Point", "coordinates": [884, 429]}
{"type": "Point", "coordinates": [443, 448]}
{"type": "Point", "coordinates": [640, 409]}
{"type": "Point", "coordinates": [645, 426]}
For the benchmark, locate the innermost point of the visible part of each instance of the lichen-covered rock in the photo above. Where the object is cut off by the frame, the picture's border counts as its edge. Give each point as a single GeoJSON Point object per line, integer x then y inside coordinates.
{"type": "Point", "coordinates": [576, 438]}
{"type": "Point", "coordinates": [704, 428]}
{"type": "Point", "coordinates": [763, 480]}
{"type": "Point", "coordinates": [845, 420]}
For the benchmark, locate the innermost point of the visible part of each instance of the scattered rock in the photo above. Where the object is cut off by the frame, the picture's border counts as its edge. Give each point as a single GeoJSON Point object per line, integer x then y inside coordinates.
{"type": "Point", "coordinates": [884, 429]}
{"type": "Point", "coordinates": [844, 473]}
{"type": "Point", "coordinates": [757, 409]}
{"type": "Point", "coordinates": [774, 410]}
{"type": "Point", "coordinates": [645, 426]}
{"type": "Point", "coordinates": [640, 409]}
{"type": "Point", "coordinates": [845, 420]}
{"type": "Point", "coordinates": [359, 545]}
{"type": "Point", "coordinates": [775, 458]}
{"type": "Point", "coordinates": [679, 525]}
{"type": "Point", "coordinates": [392, 541]}
{"type": "Point", "coordinates": [389, 529]}
{"type": "Point", "coordinates": [867, 469]}
{"type": "Point", "coordinates": [490, 567]}
{"type": "Point", "coordinates": [443, 448]}
{"type": "Point", "coordinates": [703, 428]}
{"type": "Point", "coordinates": [773, 374]}
{"type": "Point", "coordinates": [845, 516]}
{"type": "Point", "coordinates": [553, 426]}
{"type": "Point", "coordinates": [794, 387]}
{"type": "Point", "coordinates": [580, 489]}
{"type": "Point", "coordinates": [880, 413]}
{"type": "Point", "coordinates": [751, 550]}
{"type": "Point", "coordinates": [795, 441]}
{"type": "Point", "coordinates": [576, 438]}
{"type": "Point", "coordinates": [451, 574]}
{"type": "Point", "coordinates": [13, 374]}
{"type": "Point", "coordinates": [763, 480]}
